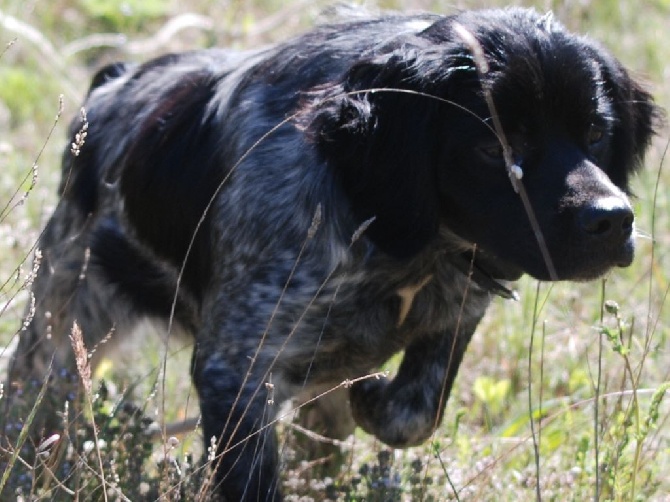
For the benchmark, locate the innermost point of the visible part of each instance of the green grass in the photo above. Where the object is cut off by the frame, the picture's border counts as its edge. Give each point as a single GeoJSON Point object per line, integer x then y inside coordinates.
{"type": "Point", "coordinates": [560, 395]}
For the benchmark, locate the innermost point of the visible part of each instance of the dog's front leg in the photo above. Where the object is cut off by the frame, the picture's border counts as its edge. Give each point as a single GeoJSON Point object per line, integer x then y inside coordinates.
{"type": "Point", "coordinates": [237, 414]}
{"type": "Point", "coordinates": [406, 410]}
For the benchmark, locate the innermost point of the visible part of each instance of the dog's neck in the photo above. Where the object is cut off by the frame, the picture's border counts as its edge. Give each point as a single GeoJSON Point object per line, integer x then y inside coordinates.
{"type": "Point", "coordinates": [474, 266]}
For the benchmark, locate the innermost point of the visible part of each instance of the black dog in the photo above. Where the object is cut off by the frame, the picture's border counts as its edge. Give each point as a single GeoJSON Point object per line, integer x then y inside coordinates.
{"type": "Point", "coordinates": [308, 210]}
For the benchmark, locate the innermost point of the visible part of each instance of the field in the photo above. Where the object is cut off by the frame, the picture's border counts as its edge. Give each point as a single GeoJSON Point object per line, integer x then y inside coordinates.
{"type": "Point", "coordinates": [562, 395]}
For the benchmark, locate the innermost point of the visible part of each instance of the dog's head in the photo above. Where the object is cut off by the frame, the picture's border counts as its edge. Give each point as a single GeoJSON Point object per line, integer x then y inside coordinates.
{"type": "Point", "coordinates": [412, 138]}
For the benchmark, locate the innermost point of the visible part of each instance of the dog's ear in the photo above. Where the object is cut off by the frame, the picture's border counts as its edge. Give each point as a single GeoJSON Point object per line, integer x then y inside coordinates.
{"type": "Point", "coordinates": [377, 130]}
{"type": "Point", "coordinates": [106, 74]}
{"type": "Point", "coordinates": [636, 118]}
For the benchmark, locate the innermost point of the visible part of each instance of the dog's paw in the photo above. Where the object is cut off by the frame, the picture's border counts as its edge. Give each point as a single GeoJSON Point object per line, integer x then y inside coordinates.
{"type": "Point", "coordinates": [397, 416]}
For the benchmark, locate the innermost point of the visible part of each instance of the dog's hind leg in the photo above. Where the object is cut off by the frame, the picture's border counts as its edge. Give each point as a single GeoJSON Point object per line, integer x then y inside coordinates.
{"type": "Point", "coordinates": [324, 420]}
{"type": "Point", "coordinates": [65, 291]}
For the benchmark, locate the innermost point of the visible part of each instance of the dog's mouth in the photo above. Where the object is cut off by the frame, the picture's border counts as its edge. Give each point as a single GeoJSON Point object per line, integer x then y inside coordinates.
{"type": "Point", "coordinates": [594, 265]}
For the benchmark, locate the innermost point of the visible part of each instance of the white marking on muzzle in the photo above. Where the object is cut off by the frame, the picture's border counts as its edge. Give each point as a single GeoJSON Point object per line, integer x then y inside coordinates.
{"type": "Point", "coordinates": [609, 203]}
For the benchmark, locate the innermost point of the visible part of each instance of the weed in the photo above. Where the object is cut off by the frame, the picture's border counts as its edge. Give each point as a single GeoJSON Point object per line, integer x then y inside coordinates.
{"type": "Point", "coordinates": [594, 426]}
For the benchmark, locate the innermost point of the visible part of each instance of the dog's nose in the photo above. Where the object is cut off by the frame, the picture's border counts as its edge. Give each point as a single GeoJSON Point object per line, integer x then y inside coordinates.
{"type": "Point", "coordinates": [608, 218]}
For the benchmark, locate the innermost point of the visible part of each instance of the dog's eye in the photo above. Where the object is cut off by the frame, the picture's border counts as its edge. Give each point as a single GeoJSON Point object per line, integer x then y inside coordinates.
{"type": "Point", "coordinates": [596, 135]}
{"type": "Point", "coordinates": [493, 152]}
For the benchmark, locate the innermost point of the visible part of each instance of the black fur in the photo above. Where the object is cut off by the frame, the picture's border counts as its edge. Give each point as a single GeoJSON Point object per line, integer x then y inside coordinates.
{"type": "Point", "coordinates": [318, 206]}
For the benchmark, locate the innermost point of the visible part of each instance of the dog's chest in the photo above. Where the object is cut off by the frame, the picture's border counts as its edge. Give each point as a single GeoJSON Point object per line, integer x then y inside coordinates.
{"type": "Point", "coordinates": [428, 303]}
{"type": "Point", "coordinates": [359, 320]}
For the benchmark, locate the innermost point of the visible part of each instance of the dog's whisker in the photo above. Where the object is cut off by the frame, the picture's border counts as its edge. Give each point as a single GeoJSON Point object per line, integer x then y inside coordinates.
{"type": "Point", "coordinates": [644, 235]}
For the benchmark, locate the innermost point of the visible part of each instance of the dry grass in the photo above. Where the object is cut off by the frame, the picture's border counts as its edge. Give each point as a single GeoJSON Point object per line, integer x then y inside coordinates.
{"type": "Point", "coordinates": [561, 395]}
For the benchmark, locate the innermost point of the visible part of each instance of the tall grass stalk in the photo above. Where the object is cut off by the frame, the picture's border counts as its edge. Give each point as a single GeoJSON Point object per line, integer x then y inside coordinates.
{"type": "Point", "coordinates": [624, 417]}
{"type": "Point", "coordinates": [84, 369]}
{"type": "Point", "coordinates": [536, 436]}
